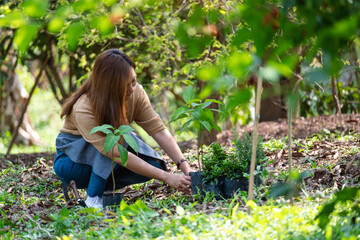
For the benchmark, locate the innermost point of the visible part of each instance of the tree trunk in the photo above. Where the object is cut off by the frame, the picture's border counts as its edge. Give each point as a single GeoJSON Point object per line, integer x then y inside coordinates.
{"type": "Point", "coordinates": [15, 97]}
{"type": "Point", "coordinates": [206, 137]}
{"type": "Point", "coordinates": [272, 104]}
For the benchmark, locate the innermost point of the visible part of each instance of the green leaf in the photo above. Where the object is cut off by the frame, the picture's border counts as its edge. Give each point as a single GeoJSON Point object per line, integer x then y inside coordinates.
{"type": "Point", "coordinates": [24, 35]}
{"type": "Point", "coordinates": [217, 128]}
{"type": "Point", "coordinates": [208, 73]}
{"type": "Point", "coordinates": [35, 8]}
{"type": "Point", "coordinates": [206, 124]}
{"type": "Point", "coordinates": [105, 128]}
{"type": "Point", "coordinates": [14, 19]}
{"type": "Point", "coordinates": [204, 105]}
{"type": "Point", "coordinates": [238, 63]}
{"type": "Point", "coordinates": [189, 94]}
{"type": "Point", "coordinates": [123, 129]}
{"type": "Point", "coordinates": [123, 154]}
{"type": "Point", "coordinates": [55, 24]}
{"type": "Point", "coordinates": [104, 25]}
{"type": "Point", "coordinates": [242, 35]}
{"type": "Point", "coordinates": [131, 141]}
{"type": "Point", "coordinates": [186, 125]}
{"type": "Point", "coordinates": [324, 214]}
{"type": "Point", "coordinates": [287, 190]}
{"type": "Point", "coordinates": [178, 113]}
{"type": "Point", "coordinates": [196, 113]}
{"type": "Point", "coordinates": [347, 194]}
{"type": "Point", "coordinates": [85, 5]}
{"type": "Point", "coordinates": [72, 35]}
{"type": "Point", "coordinates": [214, 101]}
{"type": "Point", "coordinates": [110, 141]}
{"type": "Point", "coordinates": [193, 101]}
{"type": "Point", "coordinates": [109, 2]}
{"type": "Point", "coordinates": [207, 115]}
{"type": "Point", "coordinates": [238, 98]}
{"type": "Point", "coordinates": [64, 212]}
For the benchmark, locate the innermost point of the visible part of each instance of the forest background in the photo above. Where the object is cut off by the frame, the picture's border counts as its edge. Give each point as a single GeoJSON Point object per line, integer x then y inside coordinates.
{"type": "Point", "coordinates": [306, 52]}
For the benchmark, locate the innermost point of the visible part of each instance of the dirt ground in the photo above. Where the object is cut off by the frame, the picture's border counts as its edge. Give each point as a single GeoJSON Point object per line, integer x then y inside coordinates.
{"type": "Point", "coordinates": [329, 161]}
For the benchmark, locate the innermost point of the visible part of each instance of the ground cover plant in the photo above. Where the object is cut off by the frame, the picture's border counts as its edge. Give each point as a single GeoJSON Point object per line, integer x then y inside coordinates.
{"type": "Point", "coordinates": [32, 205]}
{"type": "Point", "coordinates": [303, 58]}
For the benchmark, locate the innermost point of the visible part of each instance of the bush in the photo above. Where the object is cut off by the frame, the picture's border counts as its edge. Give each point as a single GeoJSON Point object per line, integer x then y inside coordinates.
{"type": "Point", "coordinates": [238, 165]}
{"type": "Point", "coordinates": [213, 164]}
{"type": "Point", "coordinates": [218, 164]}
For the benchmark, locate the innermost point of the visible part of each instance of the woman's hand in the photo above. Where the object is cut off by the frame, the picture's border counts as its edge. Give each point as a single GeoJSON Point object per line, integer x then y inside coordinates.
{"type": "Point", "coordinates": [178, 181]}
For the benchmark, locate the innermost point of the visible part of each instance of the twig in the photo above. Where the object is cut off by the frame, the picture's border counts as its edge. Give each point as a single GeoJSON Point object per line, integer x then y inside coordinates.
{"type": "Point", "coordinates": [181, 8]}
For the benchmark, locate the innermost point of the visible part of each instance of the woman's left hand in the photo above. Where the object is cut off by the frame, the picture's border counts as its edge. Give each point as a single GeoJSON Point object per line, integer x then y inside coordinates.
{"type": "Point", "coordinates": [178, 181]}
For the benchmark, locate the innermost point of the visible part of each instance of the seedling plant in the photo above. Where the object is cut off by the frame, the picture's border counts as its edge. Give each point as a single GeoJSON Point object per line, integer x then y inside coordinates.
{"type": "Point", "coordinates": [114, 137]}
{"type": "Point", "coordinates": [197, 113]}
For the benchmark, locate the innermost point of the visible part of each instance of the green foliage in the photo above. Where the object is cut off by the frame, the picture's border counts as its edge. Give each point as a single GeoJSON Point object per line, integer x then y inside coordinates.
{"type": "Point", "coordinates": [219, 164]}
{"type": "Point", "coordinates": [113, 137]}
{"type": "Point", "coordinates": [213, 164]}
{"type": "Point", "coordinates": [274, 145]}
{"type": "Point", "coordinates": [237, 165]}
{"type": "Point", "coordinates": [196, 111]}
{"type": "Point", "coordinates": [243, 150]}
{"type": "Point", "coordinates": [290, 188]}
{"type": "Point", "coordinates": [346, 195]}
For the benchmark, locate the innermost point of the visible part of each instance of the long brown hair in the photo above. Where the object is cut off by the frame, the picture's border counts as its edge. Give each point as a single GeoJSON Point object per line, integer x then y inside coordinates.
{"type": "Point", "coordinates": [106, 88]}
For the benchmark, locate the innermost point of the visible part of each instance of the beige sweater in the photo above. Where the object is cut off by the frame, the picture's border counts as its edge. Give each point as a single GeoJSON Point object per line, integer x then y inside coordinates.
{"type": "Point", "coordinates": [139, 109]}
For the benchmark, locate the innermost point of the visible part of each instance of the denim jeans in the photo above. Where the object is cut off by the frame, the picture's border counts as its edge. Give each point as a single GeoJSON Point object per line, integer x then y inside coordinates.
{"type": "Point", "coordinates": [84, 177]}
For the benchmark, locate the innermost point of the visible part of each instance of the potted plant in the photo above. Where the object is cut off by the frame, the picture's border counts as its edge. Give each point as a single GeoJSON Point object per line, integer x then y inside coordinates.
{"type": "Point", "coordinates": [237, 167]}
{"type": "Point", "coordinates": [213, 171]}
{"type": "Point", "coordinates": [114, 137]}
{"type": "Point", "coordinates": [198, 115]}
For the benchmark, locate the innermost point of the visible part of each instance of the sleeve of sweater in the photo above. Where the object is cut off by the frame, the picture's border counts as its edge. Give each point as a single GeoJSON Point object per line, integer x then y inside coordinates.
{"type": "Point", "coordinates": [145, 116]}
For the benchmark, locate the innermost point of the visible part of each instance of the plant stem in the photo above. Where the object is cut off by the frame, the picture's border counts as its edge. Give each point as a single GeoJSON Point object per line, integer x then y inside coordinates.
{"type": "Point", "coordinates": [290, 143]}
{"type": "Point", "coordinates": [199, 149]}
{"type": "Point", "coordinates": [112, 171]}
{"type": "Point", "coordinates": [289, 138]}
{"type": "Point", "coordinates": [254, 140]}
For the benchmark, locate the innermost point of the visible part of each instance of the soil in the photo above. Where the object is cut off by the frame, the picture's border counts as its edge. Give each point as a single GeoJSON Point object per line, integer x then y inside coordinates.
{"type": "Point", "coordinates": [329, 161]}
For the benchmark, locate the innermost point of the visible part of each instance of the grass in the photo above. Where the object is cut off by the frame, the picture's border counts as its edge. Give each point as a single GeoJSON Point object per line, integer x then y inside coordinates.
{"type": "Point", "coordinates": [32, 206]}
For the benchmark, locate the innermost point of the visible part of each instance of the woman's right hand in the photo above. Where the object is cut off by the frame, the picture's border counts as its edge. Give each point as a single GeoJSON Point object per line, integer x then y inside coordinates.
{"type": "Point", "coordinates": [178, 181]}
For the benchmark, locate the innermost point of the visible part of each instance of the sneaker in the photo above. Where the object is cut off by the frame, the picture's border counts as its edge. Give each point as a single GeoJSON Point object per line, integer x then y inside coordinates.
{"type": "Point", "coordinates": [95, 202]}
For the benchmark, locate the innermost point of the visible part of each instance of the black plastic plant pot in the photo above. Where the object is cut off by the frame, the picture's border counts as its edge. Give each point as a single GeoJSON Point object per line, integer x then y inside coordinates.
{"type": "Point", "coordinates": [112, 200]}
{"type": "Point", "coordinates": [216, 189]}
{"type": "Point", "coordinates": [232, 186]}
{"type": "Point", "coordinates": [197, 186]}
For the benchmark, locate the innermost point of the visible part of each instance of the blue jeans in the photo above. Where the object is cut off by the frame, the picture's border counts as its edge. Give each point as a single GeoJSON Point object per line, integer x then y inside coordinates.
{"type": "Point", "coordinates": [84, 177]}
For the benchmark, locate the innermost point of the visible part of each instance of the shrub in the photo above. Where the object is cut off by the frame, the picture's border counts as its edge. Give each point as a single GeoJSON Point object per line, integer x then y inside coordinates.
{"type": "Point", "coordinates": [213, 164]}
{"type": "Point", "coordinates": [238, 165]}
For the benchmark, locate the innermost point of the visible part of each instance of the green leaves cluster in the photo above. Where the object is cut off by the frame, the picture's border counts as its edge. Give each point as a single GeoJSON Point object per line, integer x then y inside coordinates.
{"type": "Point", "coordinates": [213, 163]}
{"type": "Point", "coordinates": [346, 195]}
{"type": "Point", "coordinates": [113, 136]}
{"type": "Point", "coordinates": [70, 19]}
{"type": "Point", "coordinates": [233, 165]}
{"type": "Point", "coordinates": [196, 111]}
{"type": "Point", "coordinates": [291, 187]}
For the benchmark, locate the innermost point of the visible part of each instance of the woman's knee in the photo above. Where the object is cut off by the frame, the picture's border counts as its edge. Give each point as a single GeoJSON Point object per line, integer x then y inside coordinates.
{"type": "Point", "coordinates": [68, 170]}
